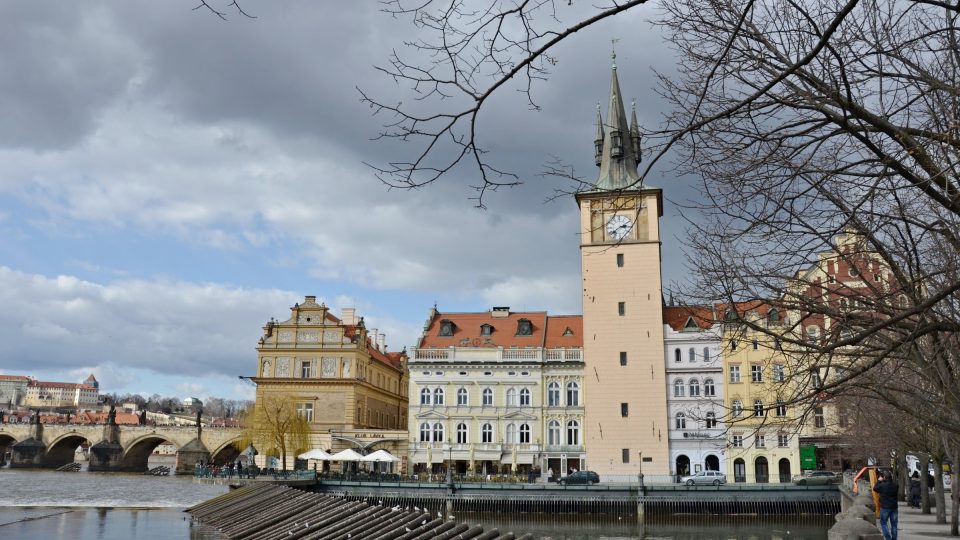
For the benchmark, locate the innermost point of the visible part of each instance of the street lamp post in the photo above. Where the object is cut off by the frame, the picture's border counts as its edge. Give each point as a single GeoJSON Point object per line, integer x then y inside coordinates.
{"type": "Point", "coordinates": [450, 462]}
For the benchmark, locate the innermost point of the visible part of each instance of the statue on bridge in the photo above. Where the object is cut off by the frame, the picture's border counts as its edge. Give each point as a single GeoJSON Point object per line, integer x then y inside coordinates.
{"type": "Point", "coordinates": [112, 415]}
{"type": "Point", "coordinates": [199, 427]}
{"type": "Point", "coordinates": [143, 418]}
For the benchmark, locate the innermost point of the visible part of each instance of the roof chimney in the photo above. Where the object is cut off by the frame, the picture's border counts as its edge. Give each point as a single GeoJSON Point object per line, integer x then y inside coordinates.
{"type": "Point", "coordinates": [348, 315]}
{"type": "Point", "coordinates": [374, 338]}
{"type": "Point", "coordinates": [500, 312]}
{"type": "Point", "coordinates": [382, 343]}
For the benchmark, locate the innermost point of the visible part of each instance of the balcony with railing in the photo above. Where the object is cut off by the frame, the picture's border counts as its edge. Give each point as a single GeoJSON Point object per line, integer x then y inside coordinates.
{"type": "Point", "coordinates": [493, 354]}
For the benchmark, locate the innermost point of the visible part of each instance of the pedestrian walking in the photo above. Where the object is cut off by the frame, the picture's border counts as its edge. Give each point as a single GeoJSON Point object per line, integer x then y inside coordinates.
{"type": "Point", "coordinates": [915, 490]}
{"type": "Point", "coordinates": [888, 491]}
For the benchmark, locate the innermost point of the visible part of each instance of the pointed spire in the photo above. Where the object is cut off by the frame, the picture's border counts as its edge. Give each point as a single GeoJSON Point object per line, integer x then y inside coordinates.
{"type": "Point", "coordinates": [618, 162]}
{"type": "Point", "coordinates": [598, 141]}
{"type": "Point", "coordinates": [635, 131]}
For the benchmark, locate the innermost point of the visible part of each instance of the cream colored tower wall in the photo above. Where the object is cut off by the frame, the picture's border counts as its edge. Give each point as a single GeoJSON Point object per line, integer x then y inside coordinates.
{"type": "Point", "coordinates": [638, 332]}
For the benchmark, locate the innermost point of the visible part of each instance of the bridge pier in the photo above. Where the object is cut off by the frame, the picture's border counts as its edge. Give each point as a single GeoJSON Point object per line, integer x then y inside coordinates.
{"type": "Point", "coordinates": [106, 456]}
{"type": "Point", "coordinates": [27, 454]}
{"type": "Point", "coordinates": [190, 454]}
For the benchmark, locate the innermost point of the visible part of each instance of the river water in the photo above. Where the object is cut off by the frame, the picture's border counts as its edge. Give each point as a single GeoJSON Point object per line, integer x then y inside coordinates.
{"type": "Point", "coordinates": [44, 505]}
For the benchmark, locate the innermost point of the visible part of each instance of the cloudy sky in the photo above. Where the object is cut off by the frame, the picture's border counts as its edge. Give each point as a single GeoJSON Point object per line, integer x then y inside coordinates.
{"type": "Point", "coordinates": [169, 181]}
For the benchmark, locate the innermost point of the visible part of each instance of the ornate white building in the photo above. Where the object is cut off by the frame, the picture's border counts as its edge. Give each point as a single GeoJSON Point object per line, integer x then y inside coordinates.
{"type": "Point", "coordinates": [694, 367]}
{"type": "Point", "coordinates": [496, 391]}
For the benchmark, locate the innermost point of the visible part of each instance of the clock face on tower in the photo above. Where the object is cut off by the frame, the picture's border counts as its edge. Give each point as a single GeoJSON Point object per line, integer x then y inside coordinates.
{"type": "Point", "coordinates": [618, 227]}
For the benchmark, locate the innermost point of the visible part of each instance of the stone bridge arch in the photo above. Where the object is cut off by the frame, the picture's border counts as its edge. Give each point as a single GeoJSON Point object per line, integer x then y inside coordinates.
{"type": "Point", "coordinates": [227, 452]}
{"type": "Point", "coordinates": [6, 441]}
{"type": "Point", "coordinates": [136, 452]}
{"type": "Point", "coordinates": [61, 450]}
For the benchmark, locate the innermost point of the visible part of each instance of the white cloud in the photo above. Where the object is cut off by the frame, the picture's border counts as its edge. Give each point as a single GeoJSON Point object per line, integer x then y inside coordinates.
{"type": "Point", "coordinates": [555, 294]}
{"type": "Point", "coordinates": [170, 327]}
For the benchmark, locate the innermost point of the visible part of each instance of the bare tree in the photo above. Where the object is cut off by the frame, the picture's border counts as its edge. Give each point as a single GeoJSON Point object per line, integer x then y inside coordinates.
{"type": "Point", "coordinates": [272, 423]}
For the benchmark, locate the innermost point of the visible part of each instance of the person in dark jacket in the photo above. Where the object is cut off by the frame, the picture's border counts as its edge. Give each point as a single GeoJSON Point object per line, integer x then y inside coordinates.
{"type": "Point", "coordinates": [915, 490]}
{"type": "Point", "coordinates": [888, 491]}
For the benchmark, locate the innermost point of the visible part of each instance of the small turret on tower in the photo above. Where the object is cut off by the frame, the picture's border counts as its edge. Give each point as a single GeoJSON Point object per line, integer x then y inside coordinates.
{"type": "Point", "coordinates": [635, 131]}
{"type": "Point", "coordinates": [598, 141]}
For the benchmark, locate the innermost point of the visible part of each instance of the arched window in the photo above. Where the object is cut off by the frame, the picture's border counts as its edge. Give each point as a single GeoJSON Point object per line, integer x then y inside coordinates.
{"type": "Point", "coordinates": [511, 397]}
{"type": "Point", "coordinates": [424, 432]}
{"type": "Point", "coordinates": [711, 420]}
{"type": "Point", "coordinates": [438, 396]}
{"type": "Point", "coordinates": [681, 421]}
{"type": "Point", "coordinates": [573, 432]}
{"type": "Point", "coordinates": [266, 368]}
{"type": "Point", "coordinates": [692, 354]}
{"type": "Point", "coordinates": [462, 437]}
{"type": "Point", "coordinates": [676, 355]}
{"type": "Point", "coordinates": [694, 388]}
{"type": "Point", "coordinates": [524, 433]}
{"type": "Point", "coordinates": [438, 432]}
{"type": "Point", "coordinates": [487, 397]}
{"type": "Point", "coordinates": [708, 388]}
{"type": "Point", "coordinates": [511, 434]}
{"type": "Point", "coordinates": [525, 397]}
{"type": "Point", "coordinates": [678, 388]}
{"type": "Point", "coordinates": [706, 354]}
{"type": "Point", "coordinates": [758, 407]}
{"type": "Point", "coordinates": [553, 433]}
{"type": "Point", "coordinates": [486, 433]}
{"type": "Point", "coordinates": [425, 396]}
{"type": "Point", "coordinates": [737, 408]}
{"type": "Point", "coordinates": [773, 317]}
{"type": "Point", "coordinates": [573, 394]}
{"type": "Point", "coordinates": [463, 397]}
{"type": "Point", "coordinates": [553, 394]}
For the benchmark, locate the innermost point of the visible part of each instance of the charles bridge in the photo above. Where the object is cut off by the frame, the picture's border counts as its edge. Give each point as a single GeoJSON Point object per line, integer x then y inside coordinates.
{"type": "Point", "coordinates": [118, 448]}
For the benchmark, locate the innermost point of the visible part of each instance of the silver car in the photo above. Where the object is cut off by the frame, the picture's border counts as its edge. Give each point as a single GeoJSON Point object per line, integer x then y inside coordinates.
{"type": "Point", "coordinates": [705, 477]}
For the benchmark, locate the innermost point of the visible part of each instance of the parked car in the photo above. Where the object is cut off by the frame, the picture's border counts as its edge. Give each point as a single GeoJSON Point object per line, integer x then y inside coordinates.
{"type": "Point", "coordinates": [580, 477]}
{"type": "Point", "coordinates": [705, 477]}
{"type": "Point", "coordinates": [816, 478]}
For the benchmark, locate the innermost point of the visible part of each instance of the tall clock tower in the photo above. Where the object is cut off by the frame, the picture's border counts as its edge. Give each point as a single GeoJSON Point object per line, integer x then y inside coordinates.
{"type": "Point", "coordinates": [625, 391]}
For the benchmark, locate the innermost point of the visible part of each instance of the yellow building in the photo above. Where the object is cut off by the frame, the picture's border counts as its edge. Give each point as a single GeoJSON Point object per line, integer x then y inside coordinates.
{"type": "Point", "coordinates": [351, 390]}
{"type": "Point", "coordinates": [626, 424]}
{"type": "Point", "coordinates": [762, 436]}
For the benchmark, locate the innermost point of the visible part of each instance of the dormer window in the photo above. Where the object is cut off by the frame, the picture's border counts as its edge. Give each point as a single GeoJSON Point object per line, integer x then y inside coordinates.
{"type": "Point", "coordinates": [446, 328]}
{"type": "Point", "coordinates": [486, 329]}
{"type": "Point", "coordinates": [568, 332]}
{"type": "Point", "coordinates": [773, 317]}
{"type": "Point", "coordinates": [524, 327]}
{"type": "Point", "coordinates": [691, 325]}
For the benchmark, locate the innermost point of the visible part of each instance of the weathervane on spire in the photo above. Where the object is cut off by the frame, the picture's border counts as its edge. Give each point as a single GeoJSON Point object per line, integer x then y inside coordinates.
{"type": "Point", "coordinates": [613, 51]}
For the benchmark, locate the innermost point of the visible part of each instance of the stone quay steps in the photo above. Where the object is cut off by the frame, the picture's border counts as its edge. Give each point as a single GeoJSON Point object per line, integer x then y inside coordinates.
{"type": "Point", "coordinates": [272, 512]}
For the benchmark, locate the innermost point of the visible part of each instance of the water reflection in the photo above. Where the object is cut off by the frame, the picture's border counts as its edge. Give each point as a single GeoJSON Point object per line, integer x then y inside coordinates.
{"type": "Point", "coordinates": [595, 527]}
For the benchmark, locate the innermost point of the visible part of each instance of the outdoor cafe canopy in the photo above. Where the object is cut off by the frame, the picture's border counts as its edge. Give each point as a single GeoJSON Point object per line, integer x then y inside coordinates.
{"type": "Point", "coordinates": [347, 455]}
{"type": "Point", "coordinates": [316, 453]}
{"type": "Point", "coordinates": [381, 456]}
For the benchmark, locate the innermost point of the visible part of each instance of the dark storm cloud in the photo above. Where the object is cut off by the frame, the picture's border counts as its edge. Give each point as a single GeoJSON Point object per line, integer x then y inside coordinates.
{"type": "Point", "coordinates": [60, 65]}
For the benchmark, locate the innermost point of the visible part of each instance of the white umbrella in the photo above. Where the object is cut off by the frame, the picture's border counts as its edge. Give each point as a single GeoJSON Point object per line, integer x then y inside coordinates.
{"type": "Point", "coordinates": [381, 456]}
{"type": "Point", "coordinates": [346, 455]}
{"type": "Point", "coordinates": [316, 453]}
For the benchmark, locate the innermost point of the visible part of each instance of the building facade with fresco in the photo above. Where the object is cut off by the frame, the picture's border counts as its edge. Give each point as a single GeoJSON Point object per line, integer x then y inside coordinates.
{"type": "Point", "coordinates": [498, 392]}
{"type": "Point", "coordinates": [351, 390]}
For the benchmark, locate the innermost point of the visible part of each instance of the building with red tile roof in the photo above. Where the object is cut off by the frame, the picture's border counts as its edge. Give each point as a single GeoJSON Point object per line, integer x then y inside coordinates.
{"type": "Point", "coordinates": [60, 395]}
{"type": "Point", "coordinates": [340, 375]}
{"type": "Point", "coordinates": [498, 390]}
{"type": "Point", "coordinates": [13, 390]}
